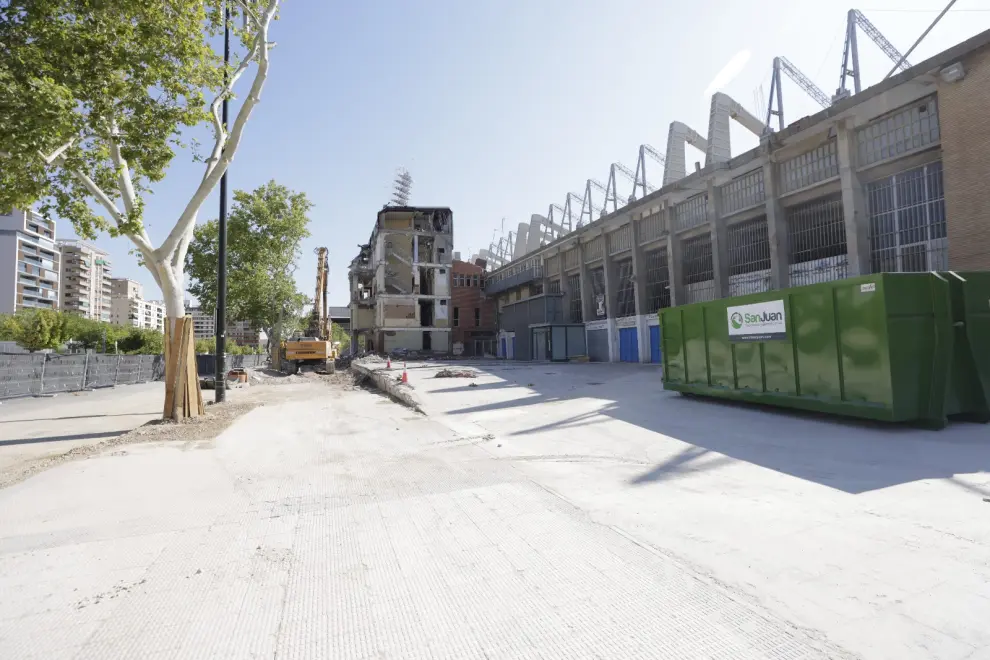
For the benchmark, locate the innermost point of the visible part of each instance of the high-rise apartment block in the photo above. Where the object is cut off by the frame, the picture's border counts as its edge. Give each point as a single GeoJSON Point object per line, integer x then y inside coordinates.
{"type": "Point", "coordinates": [85, 279]}
{"type": "Point", "coordinates": [128, 306]}
{"type": "Point", "coordinates": [29, 262]}
{"type": "Point", "coordinates": [204, 325]}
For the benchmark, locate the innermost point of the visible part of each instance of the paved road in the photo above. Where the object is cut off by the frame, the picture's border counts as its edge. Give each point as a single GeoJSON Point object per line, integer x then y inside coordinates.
{"type": "Point", "coordinates": [32, 428]}
{"type": "Point", "coordinates": [336, 524]}
{"type": "Point", "coordinates": [877, 538]}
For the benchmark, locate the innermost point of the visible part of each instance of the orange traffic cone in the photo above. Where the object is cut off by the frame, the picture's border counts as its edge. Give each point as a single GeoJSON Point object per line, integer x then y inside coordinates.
{"type": "Point", "coordinates": [405, 376]}
{"type": "Point", "coordinates": [388, 364]}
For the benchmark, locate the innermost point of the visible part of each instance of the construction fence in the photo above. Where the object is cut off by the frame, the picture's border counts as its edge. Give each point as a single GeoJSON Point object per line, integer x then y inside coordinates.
{"type": "Point", "coordinates": [42, 374]}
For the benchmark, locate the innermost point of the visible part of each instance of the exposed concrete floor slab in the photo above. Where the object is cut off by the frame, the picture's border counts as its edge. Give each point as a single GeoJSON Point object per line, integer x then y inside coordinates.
{"type": "Point", "coordinates": [876, 536]}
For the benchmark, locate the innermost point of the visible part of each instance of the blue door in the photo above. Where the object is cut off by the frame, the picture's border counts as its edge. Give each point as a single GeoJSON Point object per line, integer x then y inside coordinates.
{"type": "Point", "coordinates": [628, 345]}
{"type": "Point", "coordinates": [655, 343]}
{"type": "Point", "coordinates": [504, 354]}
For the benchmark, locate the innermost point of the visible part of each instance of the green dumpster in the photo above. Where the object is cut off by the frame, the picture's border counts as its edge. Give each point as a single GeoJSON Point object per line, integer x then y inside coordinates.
{"type": "Point", "coordinates": [896, 347]}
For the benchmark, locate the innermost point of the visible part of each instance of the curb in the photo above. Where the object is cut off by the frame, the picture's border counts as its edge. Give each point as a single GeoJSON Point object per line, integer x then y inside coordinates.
{"type": "Point", "coordinates": [386, 383]}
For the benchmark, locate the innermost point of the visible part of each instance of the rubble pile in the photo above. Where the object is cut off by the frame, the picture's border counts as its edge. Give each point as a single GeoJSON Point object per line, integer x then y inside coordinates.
{"type": "Point", "coordinates": [455, 373]}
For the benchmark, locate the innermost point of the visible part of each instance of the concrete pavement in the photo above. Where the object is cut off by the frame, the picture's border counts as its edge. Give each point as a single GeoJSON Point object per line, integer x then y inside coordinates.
{"type": "Point", "coordinates": [878, 538]}
{"type": "Point", "coordinates": [33, 428]}
{"type": "Point", "coordinates": [337, 524]}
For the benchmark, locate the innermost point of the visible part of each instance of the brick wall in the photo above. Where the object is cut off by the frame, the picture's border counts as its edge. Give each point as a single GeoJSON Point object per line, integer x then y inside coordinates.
{"type": "Point", "coordinates": [466, 297]}
{"type": "Point", "coordinates": [965, 130]}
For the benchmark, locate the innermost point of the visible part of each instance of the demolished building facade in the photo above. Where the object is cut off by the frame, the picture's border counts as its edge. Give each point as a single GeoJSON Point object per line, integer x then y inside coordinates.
{"type": "Point", "coordinates": [400, 282]}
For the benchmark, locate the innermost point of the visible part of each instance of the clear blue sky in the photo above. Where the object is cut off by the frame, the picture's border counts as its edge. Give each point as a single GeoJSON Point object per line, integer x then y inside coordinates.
{"type": "Point", "coordinates": [500, 108]}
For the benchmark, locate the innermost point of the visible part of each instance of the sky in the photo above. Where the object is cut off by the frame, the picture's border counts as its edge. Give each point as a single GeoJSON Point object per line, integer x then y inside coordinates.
{"type": "Point", "coordinates": [498, 109]}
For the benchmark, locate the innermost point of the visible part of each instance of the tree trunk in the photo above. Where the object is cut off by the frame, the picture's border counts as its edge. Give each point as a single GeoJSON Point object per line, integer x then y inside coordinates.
{"type": "Point", "coordinates": [183, 396]}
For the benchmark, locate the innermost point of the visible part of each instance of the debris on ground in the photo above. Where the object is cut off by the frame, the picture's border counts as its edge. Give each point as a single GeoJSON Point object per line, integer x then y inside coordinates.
{"type": "Point", "coordinates": [456, 373]}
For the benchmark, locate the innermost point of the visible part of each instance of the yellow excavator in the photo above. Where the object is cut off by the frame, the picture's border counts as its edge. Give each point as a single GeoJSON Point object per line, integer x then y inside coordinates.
{"type": "Point", "coordinates": [316, 350]}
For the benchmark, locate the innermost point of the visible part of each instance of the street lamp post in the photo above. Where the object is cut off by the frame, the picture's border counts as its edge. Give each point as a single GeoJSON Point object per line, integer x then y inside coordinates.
{"type": "Point", "coordinates": [220, 377]}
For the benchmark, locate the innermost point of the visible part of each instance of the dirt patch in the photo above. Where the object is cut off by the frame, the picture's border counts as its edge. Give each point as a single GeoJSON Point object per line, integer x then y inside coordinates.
{"type": "Point", "coordinates": [196, 429]}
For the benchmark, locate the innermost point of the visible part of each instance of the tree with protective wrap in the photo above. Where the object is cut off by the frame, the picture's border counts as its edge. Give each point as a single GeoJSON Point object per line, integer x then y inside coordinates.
{"type": "Point", "coordinates": [96, 99]}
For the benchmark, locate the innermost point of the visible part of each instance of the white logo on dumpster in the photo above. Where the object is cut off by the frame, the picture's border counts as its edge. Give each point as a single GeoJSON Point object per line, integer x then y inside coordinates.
{"type": "Point", "coordinates": [763, 321]}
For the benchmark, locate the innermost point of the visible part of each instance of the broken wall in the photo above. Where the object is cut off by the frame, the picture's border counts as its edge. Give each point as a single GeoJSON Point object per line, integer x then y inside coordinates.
{"type": "Point", "coordinates": [398, 314]}
{"type": "Point", "coordinates": [410, 340]}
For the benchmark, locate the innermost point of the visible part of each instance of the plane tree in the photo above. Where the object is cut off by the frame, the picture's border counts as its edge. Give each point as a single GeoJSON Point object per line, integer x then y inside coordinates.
{"type": "Point", "coordinates": [100, 97]}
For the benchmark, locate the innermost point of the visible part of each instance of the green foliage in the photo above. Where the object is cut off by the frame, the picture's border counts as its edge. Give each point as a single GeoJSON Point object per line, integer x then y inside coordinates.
{"type": "Point", "coordinates": [90, 334]}
{"type": "Point", "coordinates": [337, 333]}
{"type": "Point", "coordinates": [35, 330]}
{"type": "Point", "coordinates": [40, 329]}
{"type": "Point", "coordinates": [264, 230]}
{"type": "Point", "coordinates": [208, 346]}
{"type": "Point", "coordinates": [131, 72]}
{"type": "Point", "coordinates": [139, 341]}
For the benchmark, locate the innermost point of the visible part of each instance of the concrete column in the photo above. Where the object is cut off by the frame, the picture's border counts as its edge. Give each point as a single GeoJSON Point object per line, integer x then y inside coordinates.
{"type": "Point", "coordinates": [638, 269]}
{"type": "Point", "coordinates": [611, 300]}
{"type": "Point", "coordinates": [586, 296]}
{"type": "Point", "coordinates": [611, 283]}
{"type": "Point", "coordinates": [720, 241]}
{"type": "Point", "coordinates": [854, 207]}
{"type": "Point", "coordinates": [674, 251]}
{"type": "Point", "coordinates": [639, 291]}
{"type": "Point", "coordinates": [776, 229]}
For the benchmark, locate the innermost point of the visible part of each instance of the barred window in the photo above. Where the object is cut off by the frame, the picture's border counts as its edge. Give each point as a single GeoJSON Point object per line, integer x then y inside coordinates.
{"type": "Point", "coordinates": [907, 221]}
{"type": "Point", "coordinates": [626, 291]}
{"type": "Point", "coordinates": [574, 290]}
{"type": "Point", "coordinates": [657, 280]}
{"type": "Point", "coordinates": [599, 299]}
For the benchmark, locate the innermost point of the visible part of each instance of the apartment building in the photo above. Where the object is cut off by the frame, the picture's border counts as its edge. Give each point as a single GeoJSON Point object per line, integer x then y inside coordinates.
{"type": "Point", "coordinates": [204, 325]}
{"type": "Point", "coordinates": [84, 280]}
{"type": "Point", "coordinates": [29, 262]}
{"type": "Point", "coordinates": [400, 282]}
{"type": "Point", "coordinates": [128, 306]}
{"type": "Point", "coordinates": [245, 334]}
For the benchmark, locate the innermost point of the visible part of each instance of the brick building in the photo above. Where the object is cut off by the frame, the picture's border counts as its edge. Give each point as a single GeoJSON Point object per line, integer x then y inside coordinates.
{"type": "Point", "coordinates": [473, 313]}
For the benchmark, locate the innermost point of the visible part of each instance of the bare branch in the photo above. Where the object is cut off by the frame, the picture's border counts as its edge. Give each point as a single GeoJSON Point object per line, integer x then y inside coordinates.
{"type": "Point", "coordinates": [123, 171]}
{"type": "Point", "coordinates": [219, 130]}
{"type": "Point", "coordinates": [58, 152]}
{"type": "Point", "coordinates": [226, 148]}
{"type": "Point", "coordinates": [124, 181]}
{"type": "Point", "coordinates": [140, 240]}
{"type": "Point", "coordinates": [179, 256]}
{"type": "Point", "coordinates": [250, 12]}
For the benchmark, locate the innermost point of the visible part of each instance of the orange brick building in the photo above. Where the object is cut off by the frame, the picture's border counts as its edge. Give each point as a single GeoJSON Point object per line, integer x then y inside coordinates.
{"type": "Point", "coordinates": [473, 313]}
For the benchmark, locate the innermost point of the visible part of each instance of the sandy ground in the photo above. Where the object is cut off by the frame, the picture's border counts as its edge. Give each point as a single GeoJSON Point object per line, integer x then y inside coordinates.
{"type": "Point", "coordinates": [38, 434]}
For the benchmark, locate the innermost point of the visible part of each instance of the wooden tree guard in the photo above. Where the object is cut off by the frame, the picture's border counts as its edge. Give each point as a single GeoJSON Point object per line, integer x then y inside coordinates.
{"type": "Point", "coordinates": [183, 397]}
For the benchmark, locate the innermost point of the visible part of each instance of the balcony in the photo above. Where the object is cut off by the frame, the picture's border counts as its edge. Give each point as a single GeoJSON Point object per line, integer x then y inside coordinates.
{"type": "Point", "coordinates": [516, 279]}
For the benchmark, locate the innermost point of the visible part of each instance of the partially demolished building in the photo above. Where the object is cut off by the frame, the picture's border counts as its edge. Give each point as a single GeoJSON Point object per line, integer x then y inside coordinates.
{"type": "Point", "coordinates": [400, 282]}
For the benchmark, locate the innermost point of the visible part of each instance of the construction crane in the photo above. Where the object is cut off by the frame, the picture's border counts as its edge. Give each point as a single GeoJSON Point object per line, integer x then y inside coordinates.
{"type": "Point", "coordinates": [639, 178]}
{"type": "Point", "coordinates": [850, 53]}
{"type": "Point", "coordinates": [316, 349]}
{"type": "Point", "coordinates": [782, 64]}
{"type": "Point", "coordinates": [611, 194]}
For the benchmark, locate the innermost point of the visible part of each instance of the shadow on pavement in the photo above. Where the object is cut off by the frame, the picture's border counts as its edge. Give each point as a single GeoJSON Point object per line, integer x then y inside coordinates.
{"type": "Point", "coordinates": [55, 419]}
{"type": "Point", "coordinates": [59, 438]}
{"type": "Point", "coordinates": [850, 455]}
